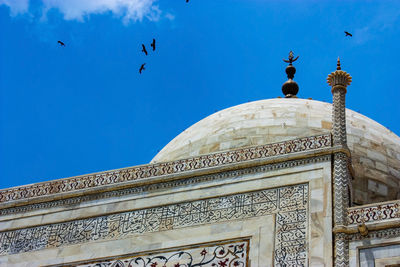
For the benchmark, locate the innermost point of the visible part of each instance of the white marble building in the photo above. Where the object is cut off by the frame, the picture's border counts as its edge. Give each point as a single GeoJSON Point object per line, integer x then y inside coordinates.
{"type": "Point", "coordinates": [277, 182]}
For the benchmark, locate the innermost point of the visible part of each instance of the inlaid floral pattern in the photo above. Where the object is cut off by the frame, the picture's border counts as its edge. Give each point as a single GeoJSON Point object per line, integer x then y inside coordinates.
{"type": "Point", "coordinates": [374, 213]}
{"type": "Point", "coordinates": [224, 254]}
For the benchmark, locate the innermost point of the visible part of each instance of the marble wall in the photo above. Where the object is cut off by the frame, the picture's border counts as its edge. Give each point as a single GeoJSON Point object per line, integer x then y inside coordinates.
{"type": "Point", "coordinates": [282, 216]}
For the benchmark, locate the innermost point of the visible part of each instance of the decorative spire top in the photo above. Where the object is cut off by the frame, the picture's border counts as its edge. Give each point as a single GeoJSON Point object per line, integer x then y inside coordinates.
{"type": "Point", "coordinates": [290, 87]}
{"type": "Point", "coordinates": [339, 78]}
{"type": "Point", "coordinates": [290, 60]}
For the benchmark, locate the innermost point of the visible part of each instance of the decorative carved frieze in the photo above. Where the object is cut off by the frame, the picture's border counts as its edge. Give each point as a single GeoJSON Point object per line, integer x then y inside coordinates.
{"type": "Point", "coordinates": [218, 254]}
{"type": "Point", "coordinates": [167, 168]}
{"type": "Point", "coordinates": [165, 185]}
{"type": "Point", "coordinates": [289, 203]}
{"type": "Point", "coordinates": [379, 234]}
{"type": "Point", "coordinates": [375, 213]}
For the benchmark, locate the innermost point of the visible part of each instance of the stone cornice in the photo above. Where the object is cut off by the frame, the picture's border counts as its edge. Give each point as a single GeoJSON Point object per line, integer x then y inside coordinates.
{"type": "Point", "coordinates": [354, 229]}
{"type": "Point", "coordinates": [73, 201]}
{"type": "Point", "coordinates": [381, 233]}
{"type": "Point", "coordinates": [167, 171]}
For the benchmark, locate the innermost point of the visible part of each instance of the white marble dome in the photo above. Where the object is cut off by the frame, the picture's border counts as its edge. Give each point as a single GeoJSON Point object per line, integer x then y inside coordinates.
{"type": "Point", "coordinates": [375, 149]}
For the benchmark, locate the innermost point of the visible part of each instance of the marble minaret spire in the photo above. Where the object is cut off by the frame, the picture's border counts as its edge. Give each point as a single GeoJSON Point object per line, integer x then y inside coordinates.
{"type": "Point", "coordinates": [339, 80]}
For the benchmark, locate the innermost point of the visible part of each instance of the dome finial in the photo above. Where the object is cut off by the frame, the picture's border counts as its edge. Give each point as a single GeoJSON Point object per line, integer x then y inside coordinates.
{"type": "Point", "coordinates": [290, 87]}
{"type": "Point", "coordinates": [338, 64]}
{"type": "Point", "coordinates": [290, 60]}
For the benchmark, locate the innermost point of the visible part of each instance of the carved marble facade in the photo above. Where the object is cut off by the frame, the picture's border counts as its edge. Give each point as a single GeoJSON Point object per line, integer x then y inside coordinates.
{"type": "Point", "coordinates": [288, 203]}
{"type": "Point", "coordinates": [276, 200]}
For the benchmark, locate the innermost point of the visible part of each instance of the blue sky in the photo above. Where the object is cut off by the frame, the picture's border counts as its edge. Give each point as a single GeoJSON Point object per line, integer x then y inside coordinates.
{"type": "Point", "coordinates": [83, 108]}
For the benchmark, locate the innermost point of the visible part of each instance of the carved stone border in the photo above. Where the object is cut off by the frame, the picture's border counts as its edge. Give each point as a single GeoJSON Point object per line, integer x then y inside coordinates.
{"type": "Point", "coordinates": [169, 184]}
{"type": "Point", "coordinates": [290, 203]}
{"type": "Point", "coordinates": [237, 250]}
{"type": "Point", "coordinates": [115, 177]}
{"type": "Point", "coordinates": [374, 213]}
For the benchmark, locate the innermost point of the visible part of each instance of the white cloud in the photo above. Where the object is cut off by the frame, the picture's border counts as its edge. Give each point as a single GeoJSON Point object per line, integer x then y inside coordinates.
{"type": "Point", "coordinates": [169, 16]}
{"type": "Point", "coordinates": [128, 10]}
{"type": "Point", "coordinates": [16, 6]}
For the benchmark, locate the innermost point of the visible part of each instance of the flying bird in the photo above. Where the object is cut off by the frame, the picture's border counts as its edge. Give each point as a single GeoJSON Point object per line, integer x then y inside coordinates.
{"type": "Point", "coordinates": [348, 34]}
{"type": "Point", "coordinates": [153, 44]}
{"type": "Point", "coordinates": [61, 43]}
{"type": "Point", "coordinates": [144, 49]}
{"type": "Point", "coordinates": [187, 1]}
{"type": "Point", "coordinates": [142, 68]}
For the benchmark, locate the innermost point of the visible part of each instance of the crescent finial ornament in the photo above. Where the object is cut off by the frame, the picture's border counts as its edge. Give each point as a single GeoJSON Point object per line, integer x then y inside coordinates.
{"type": "Point", "coordinates": [291, 58]}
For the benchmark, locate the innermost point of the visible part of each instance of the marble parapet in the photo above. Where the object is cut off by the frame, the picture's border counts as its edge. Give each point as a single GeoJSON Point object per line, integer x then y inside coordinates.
{"type": "Point", "coordinates": [374, 213]}
{"type": "Point", "coordinates": [153, 173]}
{"type": "Point", "coordinates": [372, 221]}
{"type": "Point", "coordinates": [138, 191]}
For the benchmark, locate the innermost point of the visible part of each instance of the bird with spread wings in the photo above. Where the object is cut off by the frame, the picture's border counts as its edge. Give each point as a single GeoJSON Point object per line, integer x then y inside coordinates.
{"type": "Point", "coordinates": [144, 49]}
{"type": "Point", "coordinates": [142, 68]}
{"type": "Point", "coordinates": [348, 34]}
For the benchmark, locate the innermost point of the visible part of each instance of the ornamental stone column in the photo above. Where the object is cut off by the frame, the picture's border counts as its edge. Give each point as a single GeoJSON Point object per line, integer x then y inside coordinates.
{"type": "Point", "coordinates": [339, 80]}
